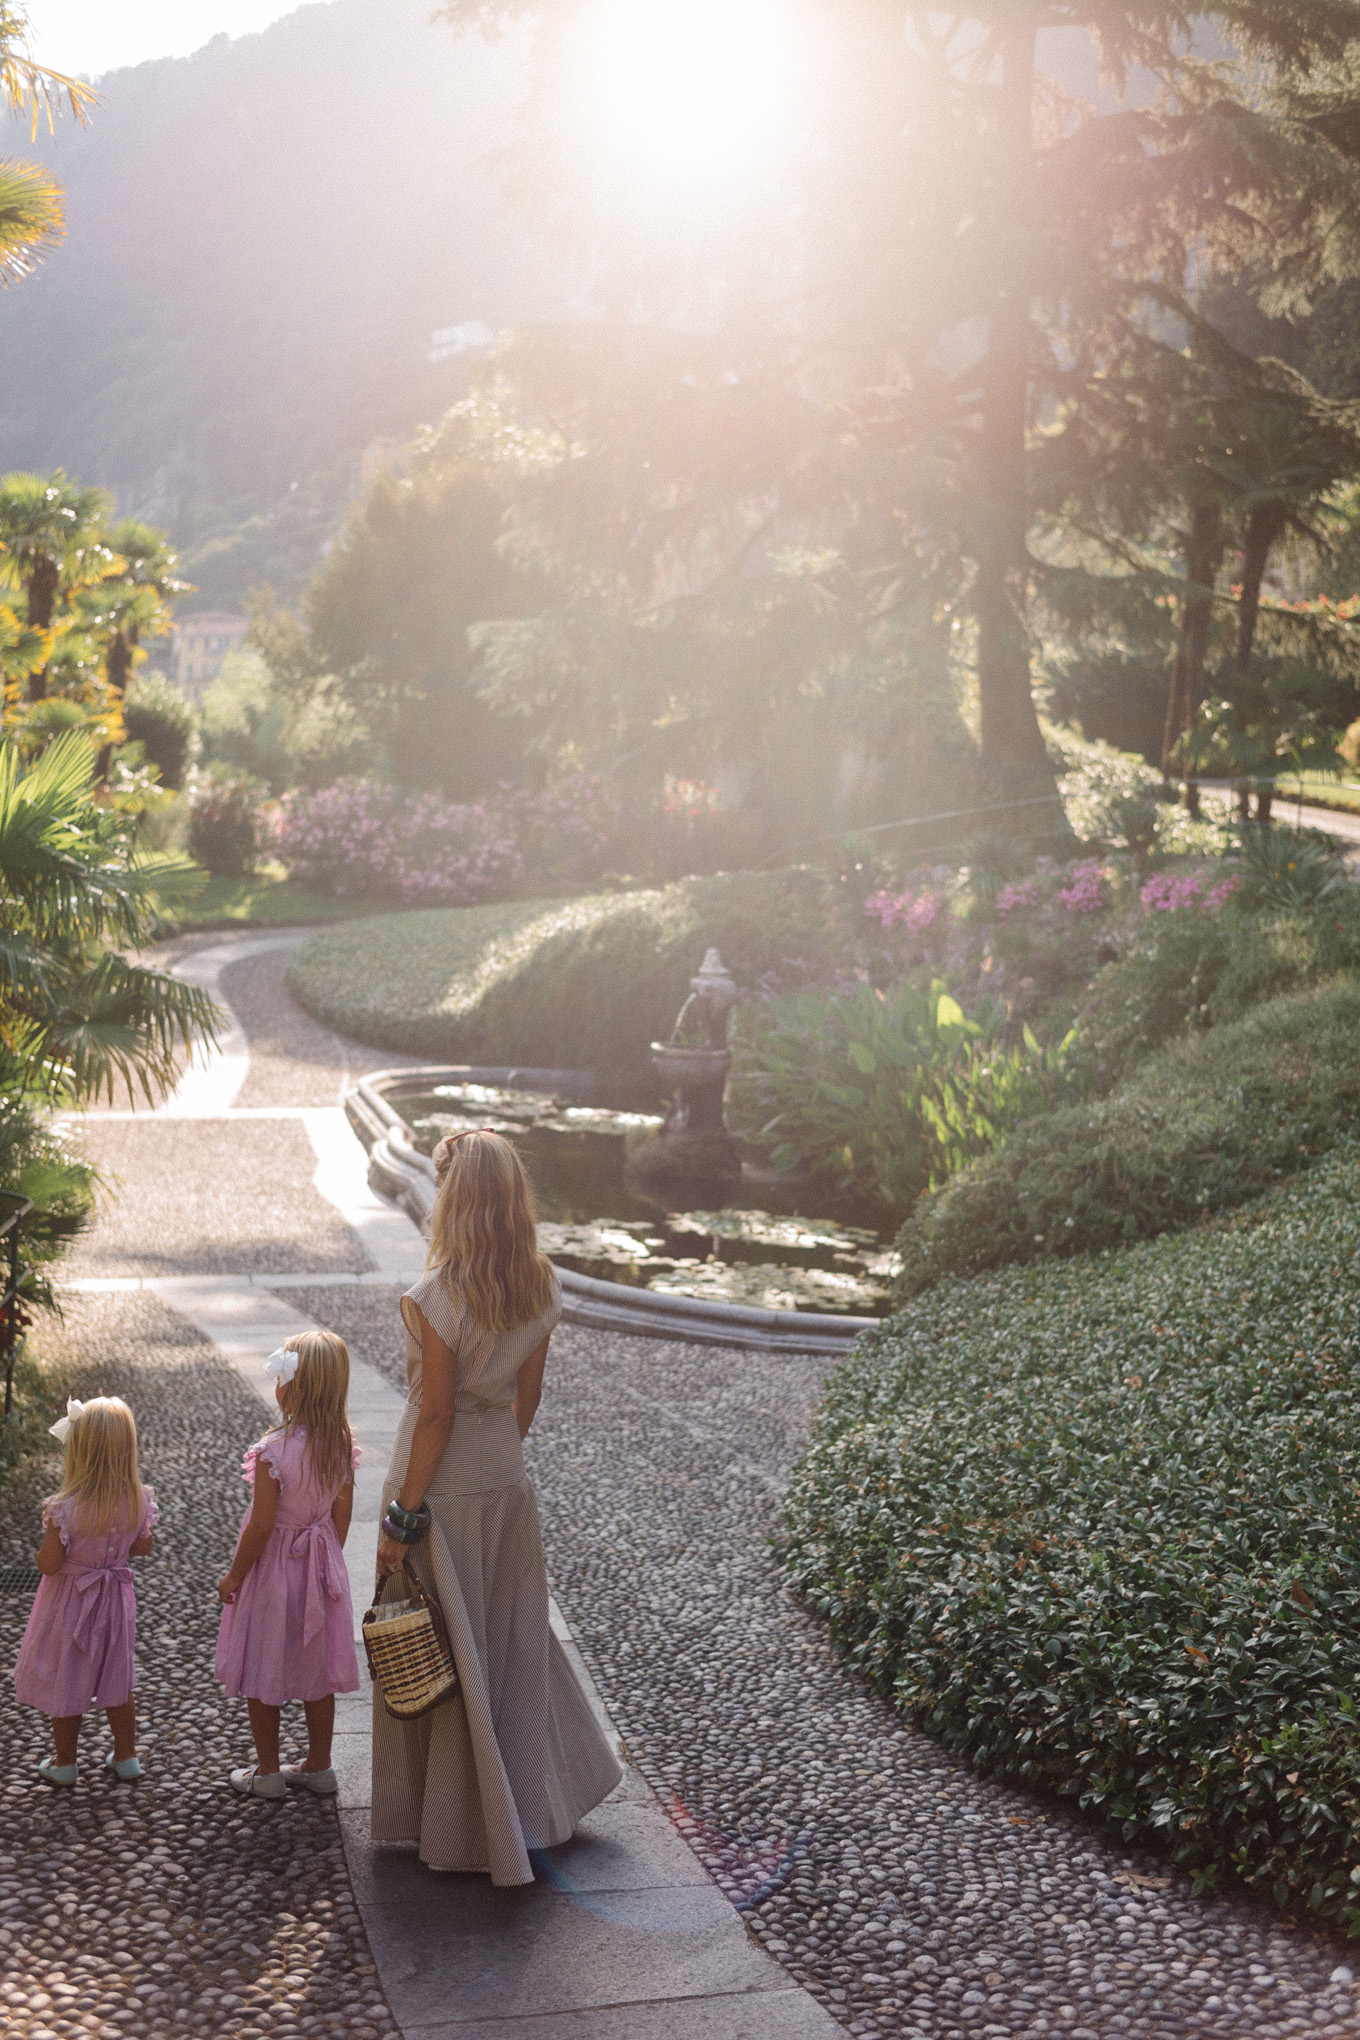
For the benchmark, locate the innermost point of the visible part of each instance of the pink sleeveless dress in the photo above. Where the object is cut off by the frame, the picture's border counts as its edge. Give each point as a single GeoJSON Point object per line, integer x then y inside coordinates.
{"type": "Point", "coordinates": [79, 1646]}
{"type": "Point", "coordinates": [289, 1634]}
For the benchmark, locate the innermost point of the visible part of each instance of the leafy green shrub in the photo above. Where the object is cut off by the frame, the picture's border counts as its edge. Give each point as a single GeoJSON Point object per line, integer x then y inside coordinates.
{"type": "Point", "coordinates": [1289, 868]}
{"type": "Point", "coordinates": [881, 1093]}
{"type": "Point", "coordinates": [225, 809]}
{"type": "Point", "coordinates": [585, 983]}
{"type": "Point", "coordinates": [1200, 1127]}
{"type": "Point", "coordinates": [1095, 1526]}
{"type": "Point", "coordinates": [159, 718]}
{"type": "Point", "coordinates": [1190, 970]}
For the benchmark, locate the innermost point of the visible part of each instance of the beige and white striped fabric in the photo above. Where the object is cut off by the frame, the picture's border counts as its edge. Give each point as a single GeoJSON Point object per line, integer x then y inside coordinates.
{"type": "Point", "coordinates": [517, 1757]}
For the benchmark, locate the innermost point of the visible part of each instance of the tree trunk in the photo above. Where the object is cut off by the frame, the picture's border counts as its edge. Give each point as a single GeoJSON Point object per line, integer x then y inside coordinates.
{"type": "Point", "coordinates": [1014, 760]}
{"type": "Point", "coordinates": [118, 663]}
{"type": "Point", "coordinates": [1204, 547]}
{"type": "Point", "coordinates": [44, 581]}
{"type": "Point", "coordinates": [1264, 525]}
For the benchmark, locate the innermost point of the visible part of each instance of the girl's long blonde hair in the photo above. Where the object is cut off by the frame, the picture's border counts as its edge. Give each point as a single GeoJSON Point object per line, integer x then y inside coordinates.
{"type": "Point", "coordinates": [101, 1467]}
{"type": "Point", "coordinates": [483, 1232]}
{"type": "Point", "coordinates": [315, 1398]}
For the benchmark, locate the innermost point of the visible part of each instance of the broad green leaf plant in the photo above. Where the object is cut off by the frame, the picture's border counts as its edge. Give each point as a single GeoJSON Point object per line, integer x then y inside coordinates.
{"type": "Point", "coordinates": [885, 1094]}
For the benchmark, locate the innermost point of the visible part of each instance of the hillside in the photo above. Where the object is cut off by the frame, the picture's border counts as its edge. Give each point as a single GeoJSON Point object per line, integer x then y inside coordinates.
{"type": "Point", "coordinates": [261, 241]}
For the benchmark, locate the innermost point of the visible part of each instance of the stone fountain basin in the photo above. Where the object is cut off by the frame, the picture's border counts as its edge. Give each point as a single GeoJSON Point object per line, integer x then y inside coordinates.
{"type": "Point", "coordinates": [796, 1288]}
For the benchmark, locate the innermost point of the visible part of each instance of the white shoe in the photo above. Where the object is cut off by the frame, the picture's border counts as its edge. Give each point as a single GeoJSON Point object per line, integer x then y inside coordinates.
{"type": "Point", "coordinates": [325, 1784]}
{"type": "Point", "coordinates": [252, 1785]}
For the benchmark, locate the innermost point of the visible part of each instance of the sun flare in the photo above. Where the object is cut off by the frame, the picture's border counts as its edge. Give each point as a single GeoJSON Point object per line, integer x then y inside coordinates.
{"type": "Point", "coordinates": [692, 86]}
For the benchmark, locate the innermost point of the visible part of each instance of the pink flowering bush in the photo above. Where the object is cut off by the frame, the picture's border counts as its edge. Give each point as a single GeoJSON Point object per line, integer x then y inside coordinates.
{"type": "Point", "coordinates": [1015, 899]}
{"type": "Point", "coordinates": [359, 840]}
{"type": "Point", "coordinates": [1167, 892]}
{"type": "Point", "coordinates": [914, 913]}
{"type": "Point", "coordinates": [1084, 892]}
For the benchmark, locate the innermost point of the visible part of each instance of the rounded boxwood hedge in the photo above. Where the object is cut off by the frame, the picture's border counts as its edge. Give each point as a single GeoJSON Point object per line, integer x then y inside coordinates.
{"type": "Point", "coordinates": [1200, 1127]}
{"type": "Point", "coordinates": [1095, 1524]}
{"type": "Point", "coordinates": [564, 984]}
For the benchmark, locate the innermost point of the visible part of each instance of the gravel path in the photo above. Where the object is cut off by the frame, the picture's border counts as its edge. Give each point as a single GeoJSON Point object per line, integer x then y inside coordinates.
{"type": "Point", "coordinates": [914, 1899]}
{"type": "Point", "coordinates": [293, 1059]}
{"type": "Point", "coordinates": [169, 1907]}
{"type": "Point", "coordinates": [209, 1197]}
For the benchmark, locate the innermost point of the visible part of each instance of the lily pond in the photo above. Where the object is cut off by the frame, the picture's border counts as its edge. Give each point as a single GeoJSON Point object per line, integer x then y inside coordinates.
{"type": "Point", "coordinates": [599, 1217]}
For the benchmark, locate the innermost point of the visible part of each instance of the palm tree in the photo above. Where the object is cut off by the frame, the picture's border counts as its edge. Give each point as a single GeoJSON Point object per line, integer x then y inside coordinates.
{"type": "Point", "coordinates": [52, 546]}
{"type": "Point", "coordinates": [133, 597]}
{"type": "Point", "coordinates": [31, 210]}
{"type": "Point", "coordinates": [74, 890]}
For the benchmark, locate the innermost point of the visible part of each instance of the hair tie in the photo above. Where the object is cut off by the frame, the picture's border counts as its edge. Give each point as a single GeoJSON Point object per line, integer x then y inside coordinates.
{"type": "Point", "coordinates": [61, 1430]}
{"type": "Point", "coordinates": [282, 1363]}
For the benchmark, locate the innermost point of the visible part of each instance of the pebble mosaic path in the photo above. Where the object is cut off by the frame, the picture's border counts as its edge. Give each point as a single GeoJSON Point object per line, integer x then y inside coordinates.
{"type": "Point", "coordinates": [908, 1897]}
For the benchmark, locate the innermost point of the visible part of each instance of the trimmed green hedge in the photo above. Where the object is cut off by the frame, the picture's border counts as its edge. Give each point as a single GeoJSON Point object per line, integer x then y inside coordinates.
{"type": "Point", "coordinates": [1200, 1127]}
{"type": "Point", "coordinates": [564, 984]}
{"type": "Point", "coordinates": [1096, 1527]}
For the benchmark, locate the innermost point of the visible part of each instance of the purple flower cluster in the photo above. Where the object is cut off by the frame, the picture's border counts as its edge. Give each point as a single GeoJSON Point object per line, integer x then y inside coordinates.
{"type": "Point", "coordinates": [1014, 899]}
{"type": "Point", "coordinates": [360, 840]}
{"type": "Point", "coordinates": [1167, 892]}
{"type": "Point", "coordinates": [912, 912]}
{"type": "Point", "coordinates": [1084, 892]}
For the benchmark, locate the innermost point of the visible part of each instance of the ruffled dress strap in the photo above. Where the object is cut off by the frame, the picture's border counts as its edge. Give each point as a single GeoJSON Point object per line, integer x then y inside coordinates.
{"type": "Point", "coordinates": [151, 1513]}
{"type": "Point", "coordinates": [56, 1511]}
{"type": "Point", "coordinates": [270, 1450]}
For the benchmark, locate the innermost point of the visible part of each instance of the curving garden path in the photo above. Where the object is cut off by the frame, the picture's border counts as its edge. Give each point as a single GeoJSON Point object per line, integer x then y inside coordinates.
{"type": "Point", "coordinates": [893, 1890]}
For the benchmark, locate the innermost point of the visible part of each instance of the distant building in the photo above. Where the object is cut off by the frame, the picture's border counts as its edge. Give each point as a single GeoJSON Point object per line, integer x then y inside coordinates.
{"type": "Point", "coordinates": [470, 336]}
{"type": "Point", "coordinates": [201, 644]}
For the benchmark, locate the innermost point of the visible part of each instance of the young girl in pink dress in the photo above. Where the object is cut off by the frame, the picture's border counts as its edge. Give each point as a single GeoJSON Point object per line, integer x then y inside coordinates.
{"type": "Point", "coordinates": [78, 1647]}
{"type": "Point", "coordinates": [288, 1626]}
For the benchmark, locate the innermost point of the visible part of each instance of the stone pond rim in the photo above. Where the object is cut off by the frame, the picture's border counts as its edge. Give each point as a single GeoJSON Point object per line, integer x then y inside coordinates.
{"type": "Point", "coordinates": [399, 1171]}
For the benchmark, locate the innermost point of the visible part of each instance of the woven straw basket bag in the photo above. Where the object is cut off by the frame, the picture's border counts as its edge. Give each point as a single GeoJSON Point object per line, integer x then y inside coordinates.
{"type": "Point", "coordinates": [408, 1654]}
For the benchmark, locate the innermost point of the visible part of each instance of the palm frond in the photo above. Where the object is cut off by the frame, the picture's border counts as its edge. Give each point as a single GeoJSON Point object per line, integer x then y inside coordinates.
{"type": "Point", "coordinates": [117, 1022]}
{"type": "Point", "coordinates": [32, 218]}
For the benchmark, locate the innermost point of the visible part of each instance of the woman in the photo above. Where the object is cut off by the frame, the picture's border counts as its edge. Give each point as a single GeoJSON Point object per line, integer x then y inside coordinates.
{"type": "Point", "coordinates": [512, 1762]}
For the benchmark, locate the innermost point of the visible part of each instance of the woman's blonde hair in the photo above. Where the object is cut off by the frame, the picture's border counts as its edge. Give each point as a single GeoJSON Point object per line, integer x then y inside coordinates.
{"type": "Point", "coordinates": [101, 1467]}
{"type": "Point", "coordinates": [315, 1399]}
{"type": "Point", "coordinates": [484, 1234]}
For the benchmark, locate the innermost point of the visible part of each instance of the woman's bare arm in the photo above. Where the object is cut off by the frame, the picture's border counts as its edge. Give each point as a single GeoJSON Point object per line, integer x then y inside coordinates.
{"type": "Point", "coordinates": [529, 1387]}
{"type": "Point", "coordinates": [433, 1430]}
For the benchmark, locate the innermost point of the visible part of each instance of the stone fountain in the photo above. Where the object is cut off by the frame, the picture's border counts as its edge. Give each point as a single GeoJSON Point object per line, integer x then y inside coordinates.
{"type": "Point", "coordinates": [694, 1142]}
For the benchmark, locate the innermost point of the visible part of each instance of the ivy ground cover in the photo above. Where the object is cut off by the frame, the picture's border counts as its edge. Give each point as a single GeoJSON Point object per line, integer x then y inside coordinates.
{"type": "Point", "coordinates": [1096, 1524]}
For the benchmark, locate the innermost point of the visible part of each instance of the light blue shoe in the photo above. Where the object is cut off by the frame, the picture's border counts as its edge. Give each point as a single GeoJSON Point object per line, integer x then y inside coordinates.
{"type": "Point", "coordinates": [58, 1774]}
{"type": "Point", "coordinates": [126, 1768]}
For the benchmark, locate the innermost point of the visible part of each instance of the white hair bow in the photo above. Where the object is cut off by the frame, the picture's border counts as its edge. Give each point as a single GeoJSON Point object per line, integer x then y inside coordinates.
{"type": "Point", "coordinates": [281, 1364]}
{"type": "Point", "coordinates": [61, 1430]}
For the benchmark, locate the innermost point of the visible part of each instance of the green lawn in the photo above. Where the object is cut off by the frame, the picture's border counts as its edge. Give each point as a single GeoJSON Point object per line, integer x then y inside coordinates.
{"type": "Point", "coordinates": [1320, 789]}
{"type": "Point", "coordinates": [263, 899]}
